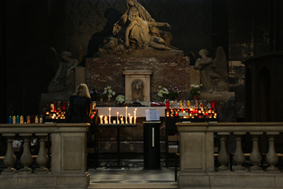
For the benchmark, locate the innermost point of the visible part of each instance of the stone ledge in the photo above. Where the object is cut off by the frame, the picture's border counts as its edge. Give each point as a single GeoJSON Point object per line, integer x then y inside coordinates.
{"type": "Point", "coordinates": [78, 181]}
{"type": "Point", "coordinates": [230, 180]}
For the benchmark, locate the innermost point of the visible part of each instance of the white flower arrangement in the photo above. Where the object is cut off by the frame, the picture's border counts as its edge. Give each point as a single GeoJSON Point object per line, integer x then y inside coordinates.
{"type": "Point", "coordinates": [109, 92]}
{"type": "Point", "coordinates": [163, 92]}
{"type": "Point", "coordinates": [195, 90]}
{"type": "Point", "coordinates": [121, 98]}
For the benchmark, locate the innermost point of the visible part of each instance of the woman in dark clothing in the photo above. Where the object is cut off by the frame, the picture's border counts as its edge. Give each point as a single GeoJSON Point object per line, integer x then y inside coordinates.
{"type": "Point", "coordinates": [80, 105]}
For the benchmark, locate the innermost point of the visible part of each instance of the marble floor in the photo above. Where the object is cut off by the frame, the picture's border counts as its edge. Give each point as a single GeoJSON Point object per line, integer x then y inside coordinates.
{"type": "Point", "coordinates": [132, 178]}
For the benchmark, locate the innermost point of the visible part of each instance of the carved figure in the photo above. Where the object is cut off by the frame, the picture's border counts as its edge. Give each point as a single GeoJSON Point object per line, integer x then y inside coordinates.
{"type": "Point", "coordinates": [138, 32]}
{"type": "Point", "coordinates": [136, 29]}
{"type": "Point", "coordinates": [116, 43]}
{"type": "Point", "coordinates": [214, 73]}
{"type": "Point", "coordinates": [143, 14]}
{"type": "Point", "coordinates": [154, 29]}
{"type": "Point", "coordinates": [64, 66]}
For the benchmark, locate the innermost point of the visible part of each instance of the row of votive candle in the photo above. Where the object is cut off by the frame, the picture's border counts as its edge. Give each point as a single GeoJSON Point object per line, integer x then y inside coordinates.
{"type": "Point", "coordinates": [192, 113]}
{"type": "Point", "coordinates": [120, 119]}
{"type": "Point", "coordinates": [29, 119]}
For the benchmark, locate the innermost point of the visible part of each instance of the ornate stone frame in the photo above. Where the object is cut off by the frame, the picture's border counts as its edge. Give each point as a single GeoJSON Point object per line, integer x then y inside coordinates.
{"type": "Point", "coordinates": [144, 76]}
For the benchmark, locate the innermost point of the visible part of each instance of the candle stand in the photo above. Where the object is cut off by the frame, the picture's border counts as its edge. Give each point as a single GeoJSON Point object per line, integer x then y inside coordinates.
{"type": "Point", "coordinates": [118, 126]}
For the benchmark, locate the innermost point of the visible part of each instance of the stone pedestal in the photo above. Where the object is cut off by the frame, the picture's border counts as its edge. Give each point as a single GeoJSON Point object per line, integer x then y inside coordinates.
{"type": "Point", "coordinates": [80, 75]}
{"type": "Point", "coordinates": [194, 76]}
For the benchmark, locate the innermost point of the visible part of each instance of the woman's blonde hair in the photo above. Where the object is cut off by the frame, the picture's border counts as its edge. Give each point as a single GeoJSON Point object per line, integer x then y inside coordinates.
{"type": "Point", "coordinates": [82, 90]}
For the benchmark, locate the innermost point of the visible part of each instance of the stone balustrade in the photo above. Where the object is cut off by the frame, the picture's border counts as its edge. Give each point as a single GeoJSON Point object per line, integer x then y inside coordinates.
{"type": "Point", "coordinates": [197, 156]}
{"type": "Point", "coordinates": [68, 156]}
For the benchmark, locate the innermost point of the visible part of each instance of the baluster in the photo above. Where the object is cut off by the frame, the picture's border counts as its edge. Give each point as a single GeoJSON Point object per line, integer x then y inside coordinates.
{"type": "Point", "coordinates": [223, 157]}
{"type": "Point", "coordinates": [271, 157]}
{"type": "Point", "coordinates": [255, 156]}
{"type": "Point", "coordinates": [42, 158]}
{"type": "Point", "coordinates": [10, 158]}
{"type": "Point", "coordinates": [239, 157]}
{"type": "Point", "coordinates": [26, 158]}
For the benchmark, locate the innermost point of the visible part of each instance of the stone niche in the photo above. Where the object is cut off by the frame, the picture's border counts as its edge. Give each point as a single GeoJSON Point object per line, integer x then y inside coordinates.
{"type": "Point", "coordinates": [103, 71]}
{"type": "Point", "coordinates": [137, 85]}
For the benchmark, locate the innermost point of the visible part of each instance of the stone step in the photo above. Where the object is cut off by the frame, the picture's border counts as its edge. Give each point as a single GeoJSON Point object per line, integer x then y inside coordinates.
{"type": "Point", "coordinates": [133, 186]}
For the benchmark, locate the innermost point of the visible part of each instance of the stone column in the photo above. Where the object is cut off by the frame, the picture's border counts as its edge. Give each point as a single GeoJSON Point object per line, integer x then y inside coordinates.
{"type": "Point", "coordinates": [42, 158]}
{"type": "Point", "coordinates": [128, 91]}
{"type": "Point", "coordinates": [239, 157]}
{"type": "Point", "coordinates": [255, 156]}
{"type": "Point", "coordinates": [10, 158]}
{"type": "Point", "coordinates": [223, 157]}
{"type": "Point", "coordinates": [271, 157]}
{"type": "Point", "coordinates": [26, 158]}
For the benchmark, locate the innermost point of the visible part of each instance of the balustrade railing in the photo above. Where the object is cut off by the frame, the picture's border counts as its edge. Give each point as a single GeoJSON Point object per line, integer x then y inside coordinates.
{"type": "Point", "coordinates": [197, 156]}
{"type": "Point", "coordinates": [68, 156]}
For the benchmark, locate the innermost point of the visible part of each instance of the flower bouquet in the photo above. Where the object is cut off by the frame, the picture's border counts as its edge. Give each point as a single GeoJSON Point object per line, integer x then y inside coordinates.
{"type": "Point", "coordinates": [173, 92]}
{"type": "Point", "coordinates": [163, 92]}
{"type": "Point", "coordinates": [109, 92]}
{"type": "Point", "coordinates": [195, 90]}
{"type": "Point", "coordinates": [121, 99]}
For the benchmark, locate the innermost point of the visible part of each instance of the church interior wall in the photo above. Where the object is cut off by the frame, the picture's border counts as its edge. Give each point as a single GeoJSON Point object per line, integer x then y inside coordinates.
{"type": "Point", "coordinates": [31, 27]}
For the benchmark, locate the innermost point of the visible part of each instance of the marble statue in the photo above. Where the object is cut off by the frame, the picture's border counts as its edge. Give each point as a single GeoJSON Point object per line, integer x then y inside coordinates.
{"type": "Point", "coordinates": [137, 30]}
{"type": "Point", "coordinates": [213, 73]}
{"type": "Point", "coordinates": [64, 65]}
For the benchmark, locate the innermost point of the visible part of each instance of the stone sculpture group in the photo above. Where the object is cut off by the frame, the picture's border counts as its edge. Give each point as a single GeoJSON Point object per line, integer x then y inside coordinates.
{"type": "Point", "coordinates": [136, 29]}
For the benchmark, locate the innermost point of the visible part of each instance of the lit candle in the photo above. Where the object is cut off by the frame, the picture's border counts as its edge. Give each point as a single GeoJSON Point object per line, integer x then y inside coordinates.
{"type": "Point", "coordinates": [122, 119]}
{"type": "Point", "coordinates": [109, 115]}
{"type": "Point", "coordinates": [135, 116]}
{"type": "Point", "coordinates": [105, 120]}
{"type": "Point", "coordinates": [114, 121]}
{"type": "Point", "coordinates": [101, 121]}
{"type": "Point", "coordinates": [117, 118]}
{"type": "Point", "coordinates": [126, 115]}
{"type": "Point", "coordinates": [130, 117]}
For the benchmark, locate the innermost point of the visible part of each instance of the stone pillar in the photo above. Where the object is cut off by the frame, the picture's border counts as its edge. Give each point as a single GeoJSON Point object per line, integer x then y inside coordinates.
{"type": "Point", "coordinates": [271, 157]}
{"type": "Point", "coordinates": [79, 75]}
{"type": "Point", "coordinates": [194, 76]}
{"type": "Point", "coordinates": [255, 156]}
{"type": "Point", "coordinates": [42, 158]}
{"type": "Point", "coordinates": [196, 154]}
{"type": "Point", "coordinates": [26, 158]}
{"type": "Point", "coordinates": [223, 157]}
{"type": "Point", "coordinates": [239, 157]}
{"type": "Point", "coordinates": [10, 158]}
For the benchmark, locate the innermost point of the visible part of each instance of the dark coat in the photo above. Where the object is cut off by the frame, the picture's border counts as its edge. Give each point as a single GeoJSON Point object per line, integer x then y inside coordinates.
{"type": "Point", "coordinates": [79, 110]}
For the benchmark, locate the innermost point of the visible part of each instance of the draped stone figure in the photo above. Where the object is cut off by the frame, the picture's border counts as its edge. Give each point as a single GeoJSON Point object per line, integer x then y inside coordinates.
{"type": "Point", "coordinates": [135, 31]}
{"type": "Point", "coordinates": [214, 73]}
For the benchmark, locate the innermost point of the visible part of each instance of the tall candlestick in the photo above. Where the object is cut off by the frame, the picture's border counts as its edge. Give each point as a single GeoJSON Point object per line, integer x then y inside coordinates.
{"type": "Point", "coordinates": [117, 118]}
{"type": "Point", "coordinates": [109, 115]}
{"type": "Point", "coordinates": [126, 115]}
{"type": "Point", "coordinates": [105, 120]}
{"type": "Point", "coordinates": [101, 121]}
